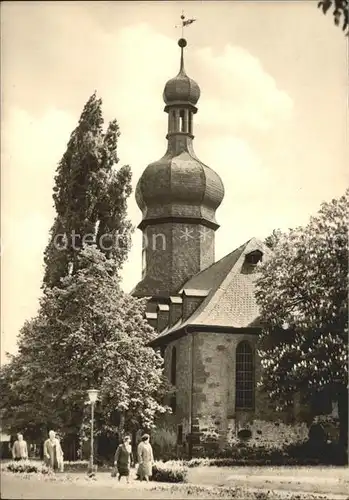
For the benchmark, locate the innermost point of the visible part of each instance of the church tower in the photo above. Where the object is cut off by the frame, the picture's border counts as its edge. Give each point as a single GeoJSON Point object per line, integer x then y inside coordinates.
{"type": "Point", "coordinates": [178, 196]}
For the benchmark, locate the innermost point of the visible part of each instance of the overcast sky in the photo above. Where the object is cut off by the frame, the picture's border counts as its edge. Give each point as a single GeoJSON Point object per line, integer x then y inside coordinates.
{"type": "Point", "coordinates": [272, 115]}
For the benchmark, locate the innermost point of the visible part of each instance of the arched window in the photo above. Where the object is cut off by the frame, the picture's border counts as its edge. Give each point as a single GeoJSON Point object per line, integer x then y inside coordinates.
{"type": "Point", "coordinates": [173, 402]}
{"type": "Point", "coordinates": [173, 366]}
{"type": "Point", "coordinates": [244, 399]}
{"type": "Point", "coordinates": [181, 121]}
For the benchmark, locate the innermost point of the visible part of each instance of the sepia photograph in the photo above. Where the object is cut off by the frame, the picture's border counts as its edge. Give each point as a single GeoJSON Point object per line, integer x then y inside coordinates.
{"type": "Point", "coordinates": [174, 249]}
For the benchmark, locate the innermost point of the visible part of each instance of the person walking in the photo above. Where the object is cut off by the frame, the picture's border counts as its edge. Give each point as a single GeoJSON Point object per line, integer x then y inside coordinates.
{"type": "Point", "coordinates": [19, 448]}
{"type": "Point", "coordinates": [145, 458]}
{"type": "Point", "coordinates": [53, 453]}
{"type": "Point", "coordinates": [123, 459]}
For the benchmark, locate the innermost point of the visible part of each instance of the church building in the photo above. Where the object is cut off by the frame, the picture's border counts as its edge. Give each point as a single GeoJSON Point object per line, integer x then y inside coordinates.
{"type": "Point", "coordinates": [204, 311]}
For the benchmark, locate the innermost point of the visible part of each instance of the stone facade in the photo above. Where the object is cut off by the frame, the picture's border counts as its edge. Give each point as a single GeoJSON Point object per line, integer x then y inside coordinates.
{"type": "Point", "coordinates": [205, 395]}
{"type": "Point", "coordinates": [175, 251]}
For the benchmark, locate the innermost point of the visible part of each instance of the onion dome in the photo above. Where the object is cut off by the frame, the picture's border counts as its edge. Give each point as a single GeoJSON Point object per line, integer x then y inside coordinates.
{"type": "Point", "coordinates": [181, 88]}
{"type": "Point", "coordinates": [180, 187]}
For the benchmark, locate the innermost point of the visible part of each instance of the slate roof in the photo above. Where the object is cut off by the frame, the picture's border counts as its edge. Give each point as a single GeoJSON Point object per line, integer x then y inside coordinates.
{"type": "Point", "coordinates": [230, 302]}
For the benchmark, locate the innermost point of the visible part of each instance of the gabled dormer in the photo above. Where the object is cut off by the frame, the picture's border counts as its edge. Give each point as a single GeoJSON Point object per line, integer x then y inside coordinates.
{"type": "Point", "coordinates": [252, 260]}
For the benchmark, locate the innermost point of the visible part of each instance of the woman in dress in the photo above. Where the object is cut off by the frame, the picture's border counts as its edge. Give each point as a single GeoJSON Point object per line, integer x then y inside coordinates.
{"type": "Point", "coordinates": [123, 458]}
{"type": "Point", "coordinates": [145, 458]}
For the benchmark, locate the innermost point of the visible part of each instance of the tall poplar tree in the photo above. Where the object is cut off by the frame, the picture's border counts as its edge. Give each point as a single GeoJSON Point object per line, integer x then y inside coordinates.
{"type": "Point", "coordinates": [90, 197]}
{"type": "Point", "coordinates": [88, 332]}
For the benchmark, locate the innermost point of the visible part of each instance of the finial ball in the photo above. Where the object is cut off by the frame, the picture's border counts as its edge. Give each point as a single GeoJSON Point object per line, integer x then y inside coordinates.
{"type": "Point", "coordinates": [182, 42]}
{"type": "Point", "coordinates": [182, 16]}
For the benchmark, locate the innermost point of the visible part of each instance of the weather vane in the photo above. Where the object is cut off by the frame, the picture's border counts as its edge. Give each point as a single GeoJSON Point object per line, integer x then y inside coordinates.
{"type": "Point", "coordinates": [185, 22]}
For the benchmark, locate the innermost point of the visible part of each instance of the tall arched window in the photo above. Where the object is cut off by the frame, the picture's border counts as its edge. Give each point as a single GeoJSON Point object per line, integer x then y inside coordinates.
{"type": "Point", "coordinates": [173, 402]}
{"type": "Point", "coordinates": [244, 399]}
{"type": "Point", "coordinates": [173, 366]}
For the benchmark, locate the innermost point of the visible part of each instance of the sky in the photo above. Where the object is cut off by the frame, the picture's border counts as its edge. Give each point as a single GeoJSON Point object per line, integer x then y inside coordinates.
{"type": "Point", "coordinates": [272, 119]}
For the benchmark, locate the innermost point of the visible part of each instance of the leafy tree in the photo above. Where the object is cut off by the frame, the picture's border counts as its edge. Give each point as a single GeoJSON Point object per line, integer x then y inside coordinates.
{"type": "Point", "coordinates": [90, 196]}
{"type": "Point", "coordinates": [88, 334]}
{"type": "Point", "coordinates": [340, 12]}
{"type": "Point", "coordinates": [302, 293]}
{"type": "Point", "coordinates": [272, 240]}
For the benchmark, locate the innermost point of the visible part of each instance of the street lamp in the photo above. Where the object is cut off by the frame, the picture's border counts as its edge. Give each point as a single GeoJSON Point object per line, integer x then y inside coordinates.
{"type": "Point", "coordinates": [92, 395]}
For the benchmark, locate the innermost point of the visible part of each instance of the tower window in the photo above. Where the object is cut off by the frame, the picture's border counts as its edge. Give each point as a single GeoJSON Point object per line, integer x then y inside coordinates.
{"type": "Point", "coordinates": [181, 121]}
{"type": "Point", "coordinates": [173, 366]}
{"type": "Point", "coordinates": [244, 377]}
{"type": "Point", "coordinates": [173, 122]}
{"type": "Point", "coordinates": [190, 124]}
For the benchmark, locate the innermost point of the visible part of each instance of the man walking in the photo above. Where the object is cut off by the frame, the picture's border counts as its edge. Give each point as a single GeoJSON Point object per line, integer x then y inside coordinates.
{"type": "Point", "coordinates": [19, 448]}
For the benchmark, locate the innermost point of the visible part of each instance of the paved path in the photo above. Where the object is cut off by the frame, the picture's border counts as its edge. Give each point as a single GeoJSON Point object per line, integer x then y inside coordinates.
{"type": "Point", "coordinates": [321, 480]}
{"type": "Point", "coordinates": [333, 483]}
{"type": "Point", "coordinates": [18, 488]}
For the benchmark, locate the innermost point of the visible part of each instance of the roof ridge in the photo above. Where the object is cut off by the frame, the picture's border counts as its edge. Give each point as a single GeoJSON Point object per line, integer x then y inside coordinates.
{"type": "Point", "coordinates": [215, 263]}
{"type": "Point", "coordinates": [226, 280]}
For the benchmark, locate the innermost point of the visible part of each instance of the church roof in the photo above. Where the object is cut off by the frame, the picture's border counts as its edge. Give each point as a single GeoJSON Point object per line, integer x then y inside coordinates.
{"type": "Point", "coordinates": [231, 301]}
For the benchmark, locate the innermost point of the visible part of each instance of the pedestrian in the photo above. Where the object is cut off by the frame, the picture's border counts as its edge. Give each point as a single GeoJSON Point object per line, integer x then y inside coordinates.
{"type": "Point", "coordinates": [123, 459]}
{"type": "Point", "coordinates": [20, 448]}
{"type": "Point", "coordinates": [53, 453]}
{"type": "Point", "coordinates": [145, 458]}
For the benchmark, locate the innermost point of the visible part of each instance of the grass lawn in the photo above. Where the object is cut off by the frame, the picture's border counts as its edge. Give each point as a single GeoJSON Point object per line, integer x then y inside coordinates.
{"type": "Point", "coordinates": [250, 483]}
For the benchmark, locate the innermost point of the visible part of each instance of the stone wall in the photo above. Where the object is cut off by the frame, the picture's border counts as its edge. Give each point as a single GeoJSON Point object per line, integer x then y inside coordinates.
{"type": "Point", "coordinates": [174, 253]}
{"type": "Point", "coordinates": [273, 434]}
{"type": "Point", "coordinates": [206, 402]}
{"type": "Point", "coordinates": [214, 396]}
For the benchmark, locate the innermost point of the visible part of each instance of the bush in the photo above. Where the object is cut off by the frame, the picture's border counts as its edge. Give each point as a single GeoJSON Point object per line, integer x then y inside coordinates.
{"type": "Point", "coordinates": [307, 453]}
{"type": "Point", "coordinates": [164, 443]}
{"type": "Point", "coordinates": [82, 466]}
{"type": "Point", "coordinates": [170, 472]}
{"type": "Point", "coordinates": [27, 466]}
{"type": "Point", "coordinates": [76, 466]}
{"type": "Point", "coordinates": [318, 453]}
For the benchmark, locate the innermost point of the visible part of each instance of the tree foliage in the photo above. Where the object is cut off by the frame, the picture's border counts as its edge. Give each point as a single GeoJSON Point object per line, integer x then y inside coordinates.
{"type": "Point", "coordinates": [340, 12]}
{"type": "Point", "coordinates": [272, 240]}
{"type": "Point", "coordinates": [90, 196]}
{"type": "Point", "coordinates": [303, 296]}
{"type": "Point", "coordinates": [88, 334]}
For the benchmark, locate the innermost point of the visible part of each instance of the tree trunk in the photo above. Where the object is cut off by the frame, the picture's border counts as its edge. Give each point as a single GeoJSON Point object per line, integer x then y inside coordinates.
{"type": "Point", "coordinates": [343, 415]}
{"type": "Point", "coordinates": [121, 426]}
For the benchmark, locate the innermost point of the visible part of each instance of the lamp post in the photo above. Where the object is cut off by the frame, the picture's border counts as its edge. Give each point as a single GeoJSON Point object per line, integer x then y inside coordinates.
{"type": "Point", "coordinates": [92, 395]}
